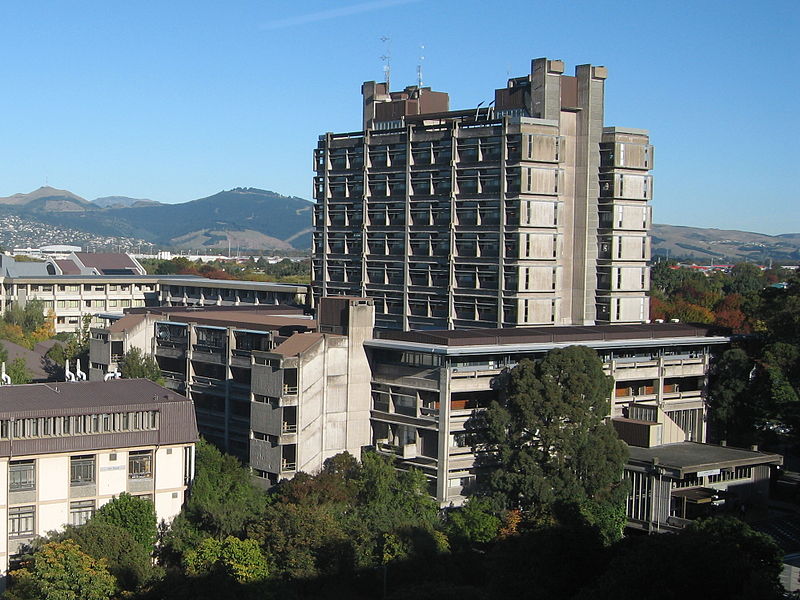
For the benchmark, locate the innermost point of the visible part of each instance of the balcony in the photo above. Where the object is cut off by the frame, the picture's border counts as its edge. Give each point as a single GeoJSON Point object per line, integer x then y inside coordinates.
{"type": "Point", "coordinates": [405, 451]}
{"type": "Point", "coordinates": [171, 349]}
{"type": "Point", "coordinates": [211, 354]}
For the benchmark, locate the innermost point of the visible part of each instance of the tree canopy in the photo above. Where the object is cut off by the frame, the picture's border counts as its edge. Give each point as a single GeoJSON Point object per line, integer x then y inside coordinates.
{"type": "Point", "coordinates": [134, 514]}
{"type": "Point", "coordinates": [549, 435]}
{"type": "Point", "coordinates": [135, 365]}
{"type": "Point", "coordinates": [61, 571]}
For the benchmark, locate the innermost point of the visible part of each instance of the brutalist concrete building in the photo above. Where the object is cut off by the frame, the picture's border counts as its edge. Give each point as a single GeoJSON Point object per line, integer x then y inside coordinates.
{"type": "Point", "coordinates": [527, 212]}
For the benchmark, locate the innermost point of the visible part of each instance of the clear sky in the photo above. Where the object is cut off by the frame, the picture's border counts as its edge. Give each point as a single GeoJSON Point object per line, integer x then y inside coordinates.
{"type": "Point", "coordinates": [176, 100]}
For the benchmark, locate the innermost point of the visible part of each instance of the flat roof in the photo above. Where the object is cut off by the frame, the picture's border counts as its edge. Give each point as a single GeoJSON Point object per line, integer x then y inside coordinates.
{"type": "Point", "coordinates": [690, 457]}
{"type": "Point", "coordinates": [533, 339]}
{"type": "Point", "coordinates": [237, 284]}
{"type": "Point", "coordinates": [241, 319]}
{"type": "Point", "coordinates": [296, 344]}
{"type": "Point", "coordinates": [50, 279]}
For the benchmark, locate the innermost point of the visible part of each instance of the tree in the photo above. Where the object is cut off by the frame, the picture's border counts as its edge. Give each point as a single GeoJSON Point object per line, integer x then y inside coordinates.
{"type": "Point", "coordinates": [731, 405]}
{"type": "Point", "coordinates": [137, 366]}
{"type": "Point", "coordinates": [239, 560]}
{"type": "Point", "coordinates": [549, 437]}
{"type": "Point", "coordinates": [61, 571]}
{"type": "Point", "coordinates": [135, 515]}
{"type": "Point", "coordinates": [712, 558]}
{"type": "Point", "coordinates": [746, 278]}
{"type": "Point", "coordinates": [302, 540]}
{"type": "Point", "coordinates": [474, 522]}
{"type": "Point", "coordinates": [18, 371]}
{"type": "Point", "coordinates": [30, 317]}
{"type": "Point", "coordinates": [222, 503]}
{"type": "Point", "coordinates": [126, 559]}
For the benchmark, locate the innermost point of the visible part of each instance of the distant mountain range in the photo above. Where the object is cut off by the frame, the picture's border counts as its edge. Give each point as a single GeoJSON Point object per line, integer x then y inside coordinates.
{"type": "Point", "coordinates": [724, 246]}
{"type": "Point", "coordinates": [249, 218]}
{"type": "Point", "coordinates": [122, 202]}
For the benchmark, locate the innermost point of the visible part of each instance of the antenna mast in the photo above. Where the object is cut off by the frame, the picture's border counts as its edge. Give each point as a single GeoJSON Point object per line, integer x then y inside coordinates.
{"type": "Point", "coordinates": [387, 61]}
{"type": "Point", "coordinates": [419, 66]}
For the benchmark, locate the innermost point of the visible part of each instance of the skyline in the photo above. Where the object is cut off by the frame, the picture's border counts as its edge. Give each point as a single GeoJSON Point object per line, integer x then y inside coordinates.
{"type": "Point", "coordinates": [178, 102]}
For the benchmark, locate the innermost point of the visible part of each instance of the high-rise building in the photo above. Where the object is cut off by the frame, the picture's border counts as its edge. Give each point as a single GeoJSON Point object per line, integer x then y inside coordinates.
{"type": "Point", "coordinates": [524, 212]}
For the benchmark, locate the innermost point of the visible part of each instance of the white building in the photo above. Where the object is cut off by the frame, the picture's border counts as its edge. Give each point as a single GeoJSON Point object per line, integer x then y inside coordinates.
{"type": "Point", "coordinates": [68, 448]}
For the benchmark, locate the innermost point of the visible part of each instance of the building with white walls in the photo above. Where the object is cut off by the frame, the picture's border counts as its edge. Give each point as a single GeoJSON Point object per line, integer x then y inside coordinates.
{"type": "Point", "coordinates": [68, 448]}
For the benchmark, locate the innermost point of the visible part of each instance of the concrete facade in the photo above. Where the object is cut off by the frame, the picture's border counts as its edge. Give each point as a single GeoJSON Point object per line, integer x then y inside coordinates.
{"type": "Point", "coordinates": [527, 213]}
{"type": "Point", "coordinates": [270, 385]}
{"type": "Point", "coordinates": [426, 386]}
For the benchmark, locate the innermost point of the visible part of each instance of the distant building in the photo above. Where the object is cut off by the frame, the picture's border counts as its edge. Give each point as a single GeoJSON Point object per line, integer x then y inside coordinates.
{"type": "Point", "coordinates": [97, 284]}
{"type": "Point", "coordinates": [53, 251]}
{"type": "Point", "coordinates": [530, 212]}
{"type": "Point", "coordinates": [68, 448]}
{"type": "Point", "coordinates": [100, 263]}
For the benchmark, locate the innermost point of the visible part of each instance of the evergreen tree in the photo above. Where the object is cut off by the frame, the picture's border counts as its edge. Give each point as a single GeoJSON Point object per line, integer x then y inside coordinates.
{"type": "Point", "coordinates": [550, 437]}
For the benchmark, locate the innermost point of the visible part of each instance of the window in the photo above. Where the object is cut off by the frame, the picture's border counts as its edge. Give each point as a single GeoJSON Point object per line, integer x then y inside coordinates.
{"type": "Point", "coordinates": [140, 464]}
{"type": "Point", "coordinates": [80, 512]}
{"type": "Point", "coordinates": [33, 427]}
{"type": "Point", "coordinates": [21, 521]}
{"type": "Point", "coordinates": [81, 470]}
{"type": "Point", "coordinates": [22, 475]}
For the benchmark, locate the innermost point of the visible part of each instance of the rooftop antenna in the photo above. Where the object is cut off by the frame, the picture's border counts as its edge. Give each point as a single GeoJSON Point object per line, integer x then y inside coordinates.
{"type": "Point", "coordinates": [419, 66]}
{"type": "Point", "coordinates": [387, 61]}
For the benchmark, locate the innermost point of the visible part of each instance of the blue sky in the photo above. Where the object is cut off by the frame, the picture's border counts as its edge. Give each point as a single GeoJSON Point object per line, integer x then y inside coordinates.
{"type": "Point", "coordinates": [178, 100]}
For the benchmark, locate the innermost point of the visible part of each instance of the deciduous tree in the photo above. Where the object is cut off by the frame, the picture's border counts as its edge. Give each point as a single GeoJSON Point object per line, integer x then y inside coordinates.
{"type": "Point", "coordinates": [61, 571]}
{"type": "Point", "coordinates": [135, 515]}
{"type": "Point", "coordinates": [137, 366]}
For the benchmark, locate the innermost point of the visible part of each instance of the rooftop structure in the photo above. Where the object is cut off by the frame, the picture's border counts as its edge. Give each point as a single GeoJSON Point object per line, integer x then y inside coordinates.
{"type": "Point", "coordinates": [530, 212]}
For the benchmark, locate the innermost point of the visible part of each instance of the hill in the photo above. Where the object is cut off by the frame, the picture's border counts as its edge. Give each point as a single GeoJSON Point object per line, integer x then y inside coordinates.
{"type": "Point", "coordinates": [725, 246]}
{"type": "Point", "coordinates": [247, 217]}
{"type": "Point", "coordinates": [122, 202]}
{"type": "Point", "coordinates": [48, 199]}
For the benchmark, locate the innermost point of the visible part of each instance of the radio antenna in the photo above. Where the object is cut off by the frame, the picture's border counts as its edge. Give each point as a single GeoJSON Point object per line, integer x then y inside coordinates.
{"type": "Point", "coordinates": [419, 66]}
{"type": "Point", "coordinates": [387, 61]}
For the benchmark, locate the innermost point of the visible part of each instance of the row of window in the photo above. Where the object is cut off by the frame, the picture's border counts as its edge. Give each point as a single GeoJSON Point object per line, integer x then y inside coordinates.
{"type": "Point", "coordinates": [62, 426]}
{"type": "Point", "coordinates": [124, 287]}
{"type": "Point", "coordinates": [123, 303]}
{"type": "Point", "coordinates": [82, 470]}
{"type": "Point", "coordinates": [22, 519]}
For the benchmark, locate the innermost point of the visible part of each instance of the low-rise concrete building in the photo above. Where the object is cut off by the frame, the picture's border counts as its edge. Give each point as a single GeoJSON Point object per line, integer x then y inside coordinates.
{"type": "Point", "coordinates": [673, 484]}
{"type": "Point", "coordinates": [269, 386]}
{"type": "Point", "coordinates": [426, 386]}
{"type": "Point", "coordinates": [68, 448]}
{"type": "Point", "coordinates": [95, 284]}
